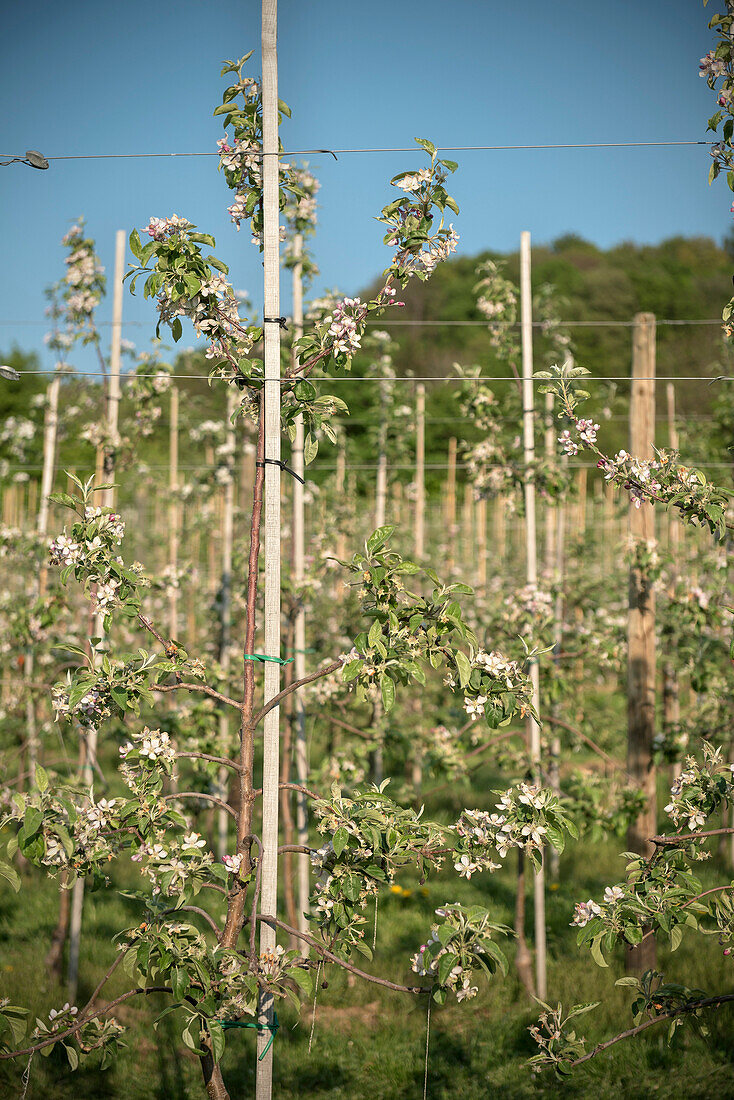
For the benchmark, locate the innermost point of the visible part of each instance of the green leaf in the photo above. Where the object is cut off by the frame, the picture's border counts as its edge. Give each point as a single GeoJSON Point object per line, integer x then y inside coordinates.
{"type": "Point", "coordinates": [388, 692]}
{"type": "Point", "coordinates": [135, 245]}
{"type": "Point", "coordinates": [463, 667]}
{"type": "Point", "coordinates": [302, 978]}
{"type": "Point", "coordinates": [340, 840]}
{"type": "Point", "coordinates": [426, 144]}
{"type": "Point", "coordinates": [218, 1041]}
{"type": "Point", "coordinates": [41, 778]}
{"type": "Point", "coordinates": [596, 953]}
{"type": "Point", "coordinates": [10, 875]}
{"type": "Point", "coordinates": [446, 964]}
{"type": "Point", "coordinates": [378, 538]}
{"type": "Point", "coordinates": [310, 449]}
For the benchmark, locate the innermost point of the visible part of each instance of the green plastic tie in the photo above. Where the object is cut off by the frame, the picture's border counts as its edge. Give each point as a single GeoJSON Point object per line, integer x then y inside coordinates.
{"type": "Point", "coordinates": [264, 657]}
{"type": "Point", "coordinates": [272, 1028]}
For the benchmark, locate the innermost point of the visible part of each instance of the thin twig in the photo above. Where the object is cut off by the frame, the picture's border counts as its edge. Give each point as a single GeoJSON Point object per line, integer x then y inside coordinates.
{"type": "Point", "coordinates": [202, 689]}
{"type": "Point", "coordinates": [223, 760]}
{"type": "Point", "coordinates": [201, 912]}
{"type": "Point", "coordinates": [205, 797]}
{"type": "Point", "coordinates": [275, 701]}
{"type": "Point", "coordinates": [587, 740]}
{"type": "Point", "coordinates": [340, 962]}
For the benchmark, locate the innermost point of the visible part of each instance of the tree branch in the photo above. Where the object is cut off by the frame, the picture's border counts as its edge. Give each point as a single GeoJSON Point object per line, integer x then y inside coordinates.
{"type": "Point", "coordinates": [675, 841]}
{"type": "Point", "coordinates": [223, 760]}
{"type": "Point", "coordinates": [201, 912]}
{"type": "Point", "coordinates": [80, 1022]}
{"type": "Point", "coordinates": [202, 689]}
{"type": "Point", "coordinates": [709, 1002]}
{"type": "Point", "coordinates": [205, 797]}
{"type": "Point", "coordinates": [275, 701]}
{"type": "Point", "coordinates": [587, 740]}
{"type": "Point", "coordinates": [326, 954]}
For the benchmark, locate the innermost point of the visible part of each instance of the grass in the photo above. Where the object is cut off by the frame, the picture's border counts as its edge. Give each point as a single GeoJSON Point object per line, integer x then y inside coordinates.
{"type": "Point", "coordinates": [369, 1042]}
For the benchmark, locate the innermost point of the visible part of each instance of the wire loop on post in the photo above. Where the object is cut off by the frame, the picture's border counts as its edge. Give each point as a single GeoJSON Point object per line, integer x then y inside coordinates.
{"type": "Point", "coordinates": [284, 466]}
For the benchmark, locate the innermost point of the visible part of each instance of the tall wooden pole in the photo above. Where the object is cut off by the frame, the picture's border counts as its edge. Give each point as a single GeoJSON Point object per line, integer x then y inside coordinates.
{"type": "Point", "coordinates": [50, 427]}
{"type": "Point", "coordinates": [271, 424]}
{"type": "Point", "coordinates": [225, 612]}
{"type": "Point", "coordinates": [173, 515]}
{"type": "Point", "coordinates": [451, 504]}
{"type": "Point", "coordinates": [108, 457]}
{"type": "Point", "coordinates": [420, 471]}
{"type": "Point", "coordinates": [113, 390]}
{"type": "Point", "coordinates": [381, 481]}
{"type": "Point", "coordinates": [641, 622]}
{"type": "Point", "coordinates": [533, 729]}
{"type": "Point", "coordinates": [303, 865]}
{"type": "Point", "coordinates": [419, 548]}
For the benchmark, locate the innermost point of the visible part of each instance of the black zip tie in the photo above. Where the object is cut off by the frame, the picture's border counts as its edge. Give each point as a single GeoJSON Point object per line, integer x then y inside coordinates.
{"type": "Point", "coordinates": [283, 466]}
{"type": "Point", "coordinates": [277, 321]}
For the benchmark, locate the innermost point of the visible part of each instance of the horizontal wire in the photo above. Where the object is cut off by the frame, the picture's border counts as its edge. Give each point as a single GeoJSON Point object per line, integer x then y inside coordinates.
{"type": "Point", "coordinates": [414, 378]}
{"type": "Point", "coordinates": [393, 149]}
{"type": "Point", "coordinates": [439, 324]}
{"type": "Point", "coordinates": [390, 466]}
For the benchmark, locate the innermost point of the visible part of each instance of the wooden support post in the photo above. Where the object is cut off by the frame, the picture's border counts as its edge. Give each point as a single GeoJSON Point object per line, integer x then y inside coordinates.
{"type": "Point", "coordinates": [451, 505]}
{"type": "Point", "coordinates": [467, 525]}
{"type": "Point", "coordinates": [107, 456]}
{"type": "Point", "coordinates": [551, 516]}
{"type": "Point", "coordinates": [381, 480]}
{"type": "Point", "coordinates": [174, 513]}
{"type": "Point", "coordinates": [113, 390]}
{"type": "Point", "coordinates": [271, 424]}
{"type": "Point", "coordinates": [50, 428]}
{"type": "Point", "coordinates": [533, 727]}
{"type": "Point", "coordinates": [641, 628]}
{"type": "Point", "coordinates": [481, 542]}
{"type": "Point", "coordinates": [225, 619]}
{"type": "Point", "coordinates": [420, 472]}
{"type": "Point", "coordinates": [303, 866]}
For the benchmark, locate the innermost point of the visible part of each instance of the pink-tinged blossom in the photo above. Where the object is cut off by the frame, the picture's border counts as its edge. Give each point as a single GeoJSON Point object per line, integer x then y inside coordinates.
{"type": "Point", "coordinates": [570, 446]}
{"type": "Point", "coordinates": [233, 863]}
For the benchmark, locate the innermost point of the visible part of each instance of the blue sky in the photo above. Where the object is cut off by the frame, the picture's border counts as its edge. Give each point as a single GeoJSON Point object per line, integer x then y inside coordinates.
{"type": "Point", "coordinates": [85, 77]}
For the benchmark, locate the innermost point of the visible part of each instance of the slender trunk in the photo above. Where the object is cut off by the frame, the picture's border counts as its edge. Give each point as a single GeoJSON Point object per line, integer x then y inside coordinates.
{"type": "Point", "coordinates": [523, 958]}
{"type": "Point", "coordinates": [55, 954]}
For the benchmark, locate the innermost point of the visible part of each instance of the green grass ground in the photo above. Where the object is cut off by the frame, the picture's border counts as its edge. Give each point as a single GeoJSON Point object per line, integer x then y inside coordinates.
{"type": "Point", "coordinates": [371, 1043]}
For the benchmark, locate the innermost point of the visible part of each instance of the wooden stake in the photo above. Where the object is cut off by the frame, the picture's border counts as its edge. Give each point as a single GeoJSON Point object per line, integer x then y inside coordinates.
{"type": "Point", "coordinates": [551, 510]}
{"type": "Point", "coordinates": [225, 613]}
{"type": "Point", "coordinates": [533, 727]}
{"type": "Point", "coordinates": [481, 540]}
{"type": "Point", "coordinates": [451, 505]}
{"type": "Point", "coordinates": [641, 628]}
{"type": "Point", "coordinates": [50, 426]}
{"type": "Point", "coordinates": [113, 390]}
{"type": "Point", "coordinates": [271, 732]}
{"type": "Point", "coordinates": [173, 515]}
{"type": "Point", "coordinates": [106, 456]}
{"type": "Point", "coordinates": [299, 631]}
{"type": "Point", "coordinates": [420, 471]}
{"type": "Point", "coordinates": [381, 480]}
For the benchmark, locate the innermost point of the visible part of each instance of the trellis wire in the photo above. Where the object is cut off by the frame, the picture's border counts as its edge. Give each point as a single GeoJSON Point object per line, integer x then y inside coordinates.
{"type": "Point", "coordinates": [411, 379]}
{"type": "Point", "coordinates": [390, 149]}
